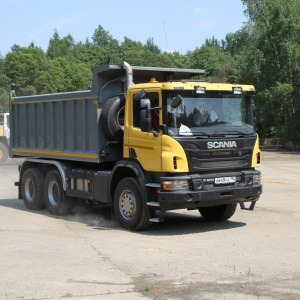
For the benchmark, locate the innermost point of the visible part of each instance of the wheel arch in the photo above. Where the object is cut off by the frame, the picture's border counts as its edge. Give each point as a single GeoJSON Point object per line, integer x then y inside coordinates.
{"type": "Point", "coordinates": [46, 166]}
{"type": "Point", "coordinates": [128, 168]}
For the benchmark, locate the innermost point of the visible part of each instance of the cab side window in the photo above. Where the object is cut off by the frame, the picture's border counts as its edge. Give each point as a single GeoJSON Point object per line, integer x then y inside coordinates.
{"type": "Point", "coordinates": [154, 100]}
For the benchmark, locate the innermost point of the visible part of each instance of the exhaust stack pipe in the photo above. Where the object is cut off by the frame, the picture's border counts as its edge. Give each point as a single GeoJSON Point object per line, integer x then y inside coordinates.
{"type": "Point", "coordinates": [129, 74]}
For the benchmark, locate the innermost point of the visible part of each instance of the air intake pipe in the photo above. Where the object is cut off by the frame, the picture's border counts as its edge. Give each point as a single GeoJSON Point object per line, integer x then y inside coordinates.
{"type": "Point", "coordinates": [129, 74]}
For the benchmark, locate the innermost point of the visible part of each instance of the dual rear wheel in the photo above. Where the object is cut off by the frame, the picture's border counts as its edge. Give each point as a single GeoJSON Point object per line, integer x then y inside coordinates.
{"type": "Point", "coordinates": [40, 190]}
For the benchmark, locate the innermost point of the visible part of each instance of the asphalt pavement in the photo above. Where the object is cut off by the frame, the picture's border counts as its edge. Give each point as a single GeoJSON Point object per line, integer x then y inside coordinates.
{"type": "Point", "coordinates": [86, 255]}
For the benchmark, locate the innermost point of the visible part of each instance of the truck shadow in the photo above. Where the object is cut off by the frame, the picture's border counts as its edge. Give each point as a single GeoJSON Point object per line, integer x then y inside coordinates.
{"type": "Point", "coordinates": [99, 218]}
{"type": "Point", "coordinates": [177, 223]}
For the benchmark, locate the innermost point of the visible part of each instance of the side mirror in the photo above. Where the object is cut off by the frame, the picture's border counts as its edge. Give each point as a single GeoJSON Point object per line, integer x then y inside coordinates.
{"type": "Point", "coordinates": [139, 95]}
{"type": "Point", "coordinates": [176, 101]}
{"type": "Point", "coordinates": [145, 115]}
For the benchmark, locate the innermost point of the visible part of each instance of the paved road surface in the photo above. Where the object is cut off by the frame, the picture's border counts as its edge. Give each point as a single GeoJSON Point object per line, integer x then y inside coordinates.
{"type": "Point", "coordinates": [254, 255]}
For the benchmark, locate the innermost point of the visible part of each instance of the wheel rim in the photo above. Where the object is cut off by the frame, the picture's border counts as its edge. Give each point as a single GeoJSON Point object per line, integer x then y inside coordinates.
{"type": "Point", "coordinates": [29, 189]}
{"type": "Point", "coordinates": [127, 205]}
{"type": "Point", "coordinates": [53, 193]}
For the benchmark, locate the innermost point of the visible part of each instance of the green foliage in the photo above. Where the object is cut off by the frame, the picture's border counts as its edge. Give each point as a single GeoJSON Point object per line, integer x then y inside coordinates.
{"type": "Point", "coordinates": [217, 63]}
{"type": "Point", "coordinates": [277, 110]}
{"type": "Point", "coordinates": [22, 66]}
{"type": "Point", "coordinates": [150, 46]}
{"type": "Point", "coordinates": [34, 73]}
{"type": "Point", "coordinates": [129, 44]}
{"type": "Point", "coordinates": [271, 44]}
{"type": "Point", "coordinates": [248, 58]}
{"type": "Point", "coordinates": [4, 87]}
{"type": "Point", "coordinates": [265, 52]}
{"type": "Point", "coordinates": [60, 47]}
{"type": "Point", "coordinates": [4, 97]}
{"type": "Point", "coordinates": [60, 75]}
{"type": "Point", "coordinates": [108, 45]}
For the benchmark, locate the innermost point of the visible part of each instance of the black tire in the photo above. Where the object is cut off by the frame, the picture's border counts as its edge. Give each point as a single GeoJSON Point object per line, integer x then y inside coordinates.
{"type": "Point", "coordinates": [218, 213]}
{"type": "Point", "coordinates": [57, 202]}
{"type": "Point", "coordinates": [130, 210]}
{"type": "Point", "coordinates": [32, 184]}
{"type": "Point", "coordinates": [112, 118]}
{"type": "Point", "coordinates": [3, 153]}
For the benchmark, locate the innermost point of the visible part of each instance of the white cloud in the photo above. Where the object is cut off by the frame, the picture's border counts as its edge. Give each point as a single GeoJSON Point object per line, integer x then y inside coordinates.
{"type": "Point", "coordinates": [199, 10]}
{"type": "Point", "coordinates": [205, 26]}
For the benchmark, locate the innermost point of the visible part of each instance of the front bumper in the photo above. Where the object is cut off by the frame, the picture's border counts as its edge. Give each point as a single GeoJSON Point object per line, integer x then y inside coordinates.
{"type": "Point", "coordinates": [202, 195]}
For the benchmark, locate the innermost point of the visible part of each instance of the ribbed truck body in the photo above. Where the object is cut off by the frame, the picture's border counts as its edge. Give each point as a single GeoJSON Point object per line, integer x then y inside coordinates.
{"type": "Point", "coordinates": [56, 128]}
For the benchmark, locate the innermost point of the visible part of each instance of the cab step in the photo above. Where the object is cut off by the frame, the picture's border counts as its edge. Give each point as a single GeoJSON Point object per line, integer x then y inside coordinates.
{"type": "Point", "coordinates": [155, 220]}
{"type": "Point", "coordinates": [153, 203]}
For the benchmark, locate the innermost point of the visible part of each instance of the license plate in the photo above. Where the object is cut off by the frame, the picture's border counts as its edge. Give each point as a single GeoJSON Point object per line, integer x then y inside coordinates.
{"type": "Point", "coordinates": [225, 180]}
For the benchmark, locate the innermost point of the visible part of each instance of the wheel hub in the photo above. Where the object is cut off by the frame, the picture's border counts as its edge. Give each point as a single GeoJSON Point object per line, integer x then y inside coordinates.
{"type": "Point", "coordinates": [53, 193]}
{"type": "Point", "coordinates": [127, 205]}
{"type": "Point", "coordinates": [29, 189]}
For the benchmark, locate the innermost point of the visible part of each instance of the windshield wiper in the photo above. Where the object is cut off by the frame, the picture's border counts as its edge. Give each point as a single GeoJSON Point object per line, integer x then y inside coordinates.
{"type": "Point", "coordinates": [230, 132]}
{"type": "Point", "coordinates": [200, 133]}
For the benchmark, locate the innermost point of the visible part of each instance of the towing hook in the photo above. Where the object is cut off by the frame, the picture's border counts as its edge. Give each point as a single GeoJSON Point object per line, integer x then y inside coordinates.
{"type": "Point", "coordinates": [251, 207]}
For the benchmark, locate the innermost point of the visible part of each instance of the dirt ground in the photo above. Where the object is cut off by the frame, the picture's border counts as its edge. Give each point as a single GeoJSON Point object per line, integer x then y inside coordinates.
{"type": "Point", "coordinates": [254, 255]}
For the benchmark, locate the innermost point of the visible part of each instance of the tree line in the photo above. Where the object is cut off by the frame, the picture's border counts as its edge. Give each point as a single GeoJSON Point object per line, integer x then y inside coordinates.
{"type": "Point", "coordinates": [265, 52]}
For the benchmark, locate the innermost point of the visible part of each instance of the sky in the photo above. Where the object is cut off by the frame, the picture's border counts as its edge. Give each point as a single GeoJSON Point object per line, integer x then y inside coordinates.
{"type": "Point", "coordinates": [174, 25]}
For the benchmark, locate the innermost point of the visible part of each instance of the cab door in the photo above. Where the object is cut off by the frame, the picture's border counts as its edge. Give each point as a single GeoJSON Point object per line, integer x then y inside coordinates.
{"type": "Point", "coordinates": [144, 146]}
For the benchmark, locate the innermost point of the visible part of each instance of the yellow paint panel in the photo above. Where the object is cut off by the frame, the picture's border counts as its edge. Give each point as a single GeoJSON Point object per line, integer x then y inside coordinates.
{"type": "Point", "coordinates": [256, 154]}
{"type": "Point", "coordinates": [171, 150]}
{"type": "Point", "coordinates": [147, 148]}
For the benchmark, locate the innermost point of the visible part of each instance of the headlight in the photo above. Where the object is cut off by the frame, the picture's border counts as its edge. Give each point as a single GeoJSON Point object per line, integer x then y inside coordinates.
{"type": "Point", "coordinates": [257, 179]}
{"type": "Point", "coordinates": [176, 185]}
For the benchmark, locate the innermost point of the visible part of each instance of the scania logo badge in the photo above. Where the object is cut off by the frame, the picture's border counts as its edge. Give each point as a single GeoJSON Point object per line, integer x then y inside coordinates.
{"type": "Point", "coordinates": [221, 144]}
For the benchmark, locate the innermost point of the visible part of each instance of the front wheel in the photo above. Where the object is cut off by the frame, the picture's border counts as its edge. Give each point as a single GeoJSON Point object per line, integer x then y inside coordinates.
{"type": "Point", "coordinates": [57, 202]}
{"type": "Point", "coordinates": [130, 210]}
{"type": "Point", "coordinates": [218, 213]}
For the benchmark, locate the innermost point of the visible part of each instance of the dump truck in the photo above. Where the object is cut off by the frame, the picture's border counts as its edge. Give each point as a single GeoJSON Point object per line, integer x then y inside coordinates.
{"type": "Point", "coordinates": [141, 140]}
{"type": "Point", "coordinates": [4, 137]}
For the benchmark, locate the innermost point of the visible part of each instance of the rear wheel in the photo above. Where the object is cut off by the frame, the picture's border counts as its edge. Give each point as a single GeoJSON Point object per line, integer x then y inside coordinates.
{"type": "Point", "coordinates": [218, 213]}
{"type": "Point", "coordinates": [57, 202]}
{"type": "Point", "coordinates": [130, 210]}
{"type": "Point", "coordinates": [32, 189]}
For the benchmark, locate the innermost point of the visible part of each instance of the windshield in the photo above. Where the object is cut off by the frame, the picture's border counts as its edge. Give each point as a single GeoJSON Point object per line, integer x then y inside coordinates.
{"type": "Point", "coordinates": [211, 115]}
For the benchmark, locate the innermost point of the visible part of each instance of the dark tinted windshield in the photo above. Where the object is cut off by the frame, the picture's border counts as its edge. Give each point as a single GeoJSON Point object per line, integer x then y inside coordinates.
{"type": "Point", "coordinates": [210, 115]}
